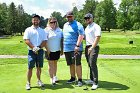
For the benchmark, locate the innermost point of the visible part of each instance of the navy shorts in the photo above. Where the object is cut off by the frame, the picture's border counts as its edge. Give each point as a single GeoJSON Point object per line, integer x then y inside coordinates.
{"type": "Point", "coordinates": [35, 59]}
{"type": "Point", "coordinates": [71, 59]}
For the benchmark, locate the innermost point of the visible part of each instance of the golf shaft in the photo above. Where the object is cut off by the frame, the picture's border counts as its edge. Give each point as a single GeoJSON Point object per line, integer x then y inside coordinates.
{"type": "Point", "coordinates": [75, 68]}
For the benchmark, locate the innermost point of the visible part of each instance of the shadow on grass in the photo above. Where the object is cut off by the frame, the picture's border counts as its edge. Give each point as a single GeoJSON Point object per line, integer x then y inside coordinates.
{"type": "Point", "coordinates": [112, 85]}
{"type": "Point", "coordinates": [60, 85]}
{"type": "Point", "coordinates": [102, 84]}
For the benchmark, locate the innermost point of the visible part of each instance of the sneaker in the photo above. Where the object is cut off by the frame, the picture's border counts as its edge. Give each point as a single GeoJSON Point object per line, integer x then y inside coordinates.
{"type": "Point", "coordinates": [28, 87]}
{"type": "Point", "coordinates": [55, 79]}
{"type": "Point", "coordinates": [40, 83]}
{"type": "Point", "coordinates": [71, 80]}
{"type": "Point", "coordinates": [89, 82]}
{"type": "Point", "coordinates": [52, 80]}
{"type": "Point", "coordinates": [79, 84]}
{"type": "Point", "coordinates": [94, 86]}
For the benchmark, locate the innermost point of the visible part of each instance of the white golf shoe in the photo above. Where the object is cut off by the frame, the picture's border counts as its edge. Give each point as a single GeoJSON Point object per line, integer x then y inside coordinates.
{"type": "Point", "coordinates": [55, 79]}
{"type": "Point", "coordinates": [79, 84]}
{"type": "Point", "coordinates": [40, 83]}
{"type": "Point", "coordinates": [52, 80]}
{"type": "Point", "coordinates": [28, 86]}
{"type": "Point", "coordinates": [94, 86]}
{"type": "Point", "coordinates": [89, 82]}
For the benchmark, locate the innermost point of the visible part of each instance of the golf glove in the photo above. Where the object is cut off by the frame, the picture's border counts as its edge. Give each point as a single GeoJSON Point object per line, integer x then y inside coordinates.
{"type": "Point", "coordinates": [35, 49]}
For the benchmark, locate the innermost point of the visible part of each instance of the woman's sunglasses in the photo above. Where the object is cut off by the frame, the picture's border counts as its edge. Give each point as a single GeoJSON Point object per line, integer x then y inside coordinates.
{"type": "Point", "coordinates": [52, 22]}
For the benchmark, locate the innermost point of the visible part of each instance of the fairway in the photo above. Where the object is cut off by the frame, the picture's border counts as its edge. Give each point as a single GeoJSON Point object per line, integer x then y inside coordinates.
{"type": "Point", "coordinates": [115, 76]}
{"type": "Point", "coordinates": [114, 43]}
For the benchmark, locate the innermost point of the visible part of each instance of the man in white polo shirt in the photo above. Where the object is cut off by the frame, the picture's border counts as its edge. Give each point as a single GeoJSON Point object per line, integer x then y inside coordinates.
{"type": "Point", "coordinates": [35, 38]}
{"type": "Point", "coordinates": [93, 34]}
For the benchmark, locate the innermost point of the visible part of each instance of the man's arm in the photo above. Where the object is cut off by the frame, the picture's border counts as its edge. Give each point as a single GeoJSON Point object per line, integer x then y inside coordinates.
{"type": "Point", "coordinates": [96, 41]}
{"type": "Point", "coordinates": [61, 44]}
{"type": "Point", "coordinates": [79, 41]}
{"type": "Point", "coordinates": [94, 44]}
{"type": "Point", "coordinates": [43, 44]}
{"type": "Point", "coordinates": [27, 41]}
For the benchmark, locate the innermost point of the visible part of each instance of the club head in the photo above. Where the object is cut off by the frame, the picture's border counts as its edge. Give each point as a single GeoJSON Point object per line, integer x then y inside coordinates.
{"type": "Point", "coordinates": [85, 89]}
{"type": "Point", "coordinates": [53, 85]}
{"type": "Point", "coordinates": [42, 88]}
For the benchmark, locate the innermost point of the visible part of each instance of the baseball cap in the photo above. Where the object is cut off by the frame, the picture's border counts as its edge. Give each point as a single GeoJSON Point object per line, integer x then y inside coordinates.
{"type": "Point", "coordinates": [35, 15]}
{"type": "Point", "coordinates": [88, 15]}
{"type": "Point", "coordinates": [70, 13]}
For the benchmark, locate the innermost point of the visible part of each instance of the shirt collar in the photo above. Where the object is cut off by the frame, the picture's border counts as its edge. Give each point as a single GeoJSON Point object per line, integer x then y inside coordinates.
{"type": "Point", "coordinates": [90, 25]}
{"type": "Point", "coordinates": [71, 22]}
{"type": "Point", "coordinates": [35, 27]}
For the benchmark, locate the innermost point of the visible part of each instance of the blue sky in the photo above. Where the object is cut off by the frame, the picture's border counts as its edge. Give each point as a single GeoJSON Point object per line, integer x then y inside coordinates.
{"type": "Point", "coordinates": [46, 7]}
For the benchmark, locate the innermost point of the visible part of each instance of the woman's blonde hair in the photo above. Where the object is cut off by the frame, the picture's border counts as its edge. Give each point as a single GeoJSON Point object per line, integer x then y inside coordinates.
{"type": "Point", "coordinates": [52, 18]}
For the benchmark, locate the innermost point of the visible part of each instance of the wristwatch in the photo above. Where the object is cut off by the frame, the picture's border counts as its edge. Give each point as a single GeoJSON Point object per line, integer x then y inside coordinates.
{"type": "Point", "coordinates": [39, 46]}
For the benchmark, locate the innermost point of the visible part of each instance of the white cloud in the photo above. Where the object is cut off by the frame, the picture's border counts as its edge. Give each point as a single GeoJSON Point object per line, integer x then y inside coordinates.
{"type": "Point", "coordinates": [46, 7]}
{"type": "Point", "coordinates": [34, 6]}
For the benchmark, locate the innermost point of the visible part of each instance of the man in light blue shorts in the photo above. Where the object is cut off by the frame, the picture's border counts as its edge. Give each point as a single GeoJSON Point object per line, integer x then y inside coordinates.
{"type": "Point", "coordinates": [35, 38]}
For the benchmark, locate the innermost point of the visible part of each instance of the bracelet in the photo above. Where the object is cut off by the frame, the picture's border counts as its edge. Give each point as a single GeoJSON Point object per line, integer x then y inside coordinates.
{"type": "Point", "coordinates": [77, 46]}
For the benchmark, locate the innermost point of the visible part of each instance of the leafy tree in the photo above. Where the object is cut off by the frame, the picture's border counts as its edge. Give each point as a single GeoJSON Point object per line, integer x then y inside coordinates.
{"type": "Point", "coordinates": [134, 13]}
{"type": "Point", "coordinates": [123, 20]}
{"type": "Point", "coordinates": [20, 19]}
{"type": "Point", "coordinates": [11, 20]}
{"type": "Point", "coordinates": [105, 14]}
{"type": "Point", "coordinates": [90, 6]}
{"type": "Point", "coordinates": [43, 22]}
{"type": "Point", "coordinates": [3, 17]}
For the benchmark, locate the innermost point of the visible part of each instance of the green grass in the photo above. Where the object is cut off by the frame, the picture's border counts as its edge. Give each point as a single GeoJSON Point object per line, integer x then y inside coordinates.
{"type": "Point", "coordinates": [115, 76]}
{"type": "Point", "coordinates": [12, 45]}
{"type": "Point", "coordinates": [115, 42]}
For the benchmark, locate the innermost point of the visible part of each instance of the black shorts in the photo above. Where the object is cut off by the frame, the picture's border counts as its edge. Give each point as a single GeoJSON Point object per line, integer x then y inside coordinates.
{"type": "Point", "coordinates": [52, 55]}
{"type": "Point", "coordinates": [71, 59]}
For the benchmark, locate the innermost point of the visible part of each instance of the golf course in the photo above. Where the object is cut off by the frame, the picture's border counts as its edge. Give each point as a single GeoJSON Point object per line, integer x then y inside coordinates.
{"type": "Point", "coordinates": [115, 75]}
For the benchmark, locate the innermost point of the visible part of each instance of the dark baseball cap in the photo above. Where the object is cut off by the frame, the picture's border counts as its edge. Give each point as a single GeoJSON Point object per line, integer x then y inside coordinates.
{"type": "Point", "coordinates": [88, 15]}
{"type": "Point", "coordinates": [70, 13]}
{"type": "Point", "coordinates": [35, 15]}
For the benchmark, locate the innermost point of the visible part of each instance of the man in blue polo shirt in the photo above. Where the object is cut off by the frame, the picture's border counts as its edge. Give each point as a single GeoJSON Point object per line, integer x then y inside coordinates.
{"type": "Point", "coordinates": [73, 32]}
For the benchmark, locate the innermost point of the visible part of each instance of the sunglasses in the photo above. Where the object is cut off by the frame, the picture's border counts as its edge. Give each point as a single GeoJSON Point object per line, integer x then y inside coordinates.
{"type": "Point", "coordinates": [69, 16]}
{"type": "Point", "coordinates": [53, 22]}
{"type": "Point", "coordinates": [87, 18]}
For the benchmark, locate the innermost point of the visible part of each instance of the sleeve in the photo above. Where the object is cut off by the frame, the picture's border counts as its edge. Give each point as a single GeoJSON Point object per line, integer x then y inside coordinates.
{"type": "Point", "coordinates": [97, 30]}
{"type": "Point", "coordinates": [26, 34]}
{"type": "Point", "coordinates": [61, 33]}
{"type": "Point", "coordinates": [46, 35]}
{"type": "Point", "coordinates": [80, 29]}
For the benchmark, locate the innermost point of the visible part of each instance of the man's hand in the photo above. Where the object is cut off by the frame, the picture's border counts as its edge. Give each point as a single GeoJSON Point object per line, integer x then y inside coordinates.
{"type": "Point", "coordinates": [35, 50]}
{"type": "Point", "coordinates": [61, 52]}
{"type": "Point", "coordinates": [76, 49]}
{"type": "Point", "coordinates": [89, 50]}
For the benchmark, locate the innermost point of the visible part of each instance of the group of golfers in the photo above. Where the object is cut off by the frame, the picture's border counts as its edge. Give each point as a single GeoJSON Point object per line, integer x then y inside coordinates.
{"type": "Point", "coordinates": [57, 41]}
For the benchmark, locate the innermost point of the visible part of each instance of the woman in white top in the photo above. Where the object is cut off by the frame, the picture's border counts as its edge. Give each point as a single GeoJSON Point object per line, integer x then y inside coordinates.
{"type": "Point", "coordinates": [53, 47]}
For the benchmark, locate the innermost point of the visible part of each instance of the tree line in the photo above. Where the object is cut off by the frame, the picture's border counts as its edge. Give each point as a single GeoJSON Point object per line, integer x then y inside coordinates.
{"type": "Point", "coordinates": [15, 20]}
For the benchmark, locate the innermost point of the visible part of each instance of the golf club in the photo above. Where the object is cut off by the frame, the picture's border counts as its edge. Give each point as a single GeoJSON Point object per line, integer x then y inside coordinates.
{"type": "Point", "coordinates": [74, 58]}
{"type": "Point", "coordinates": [86, 88]}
